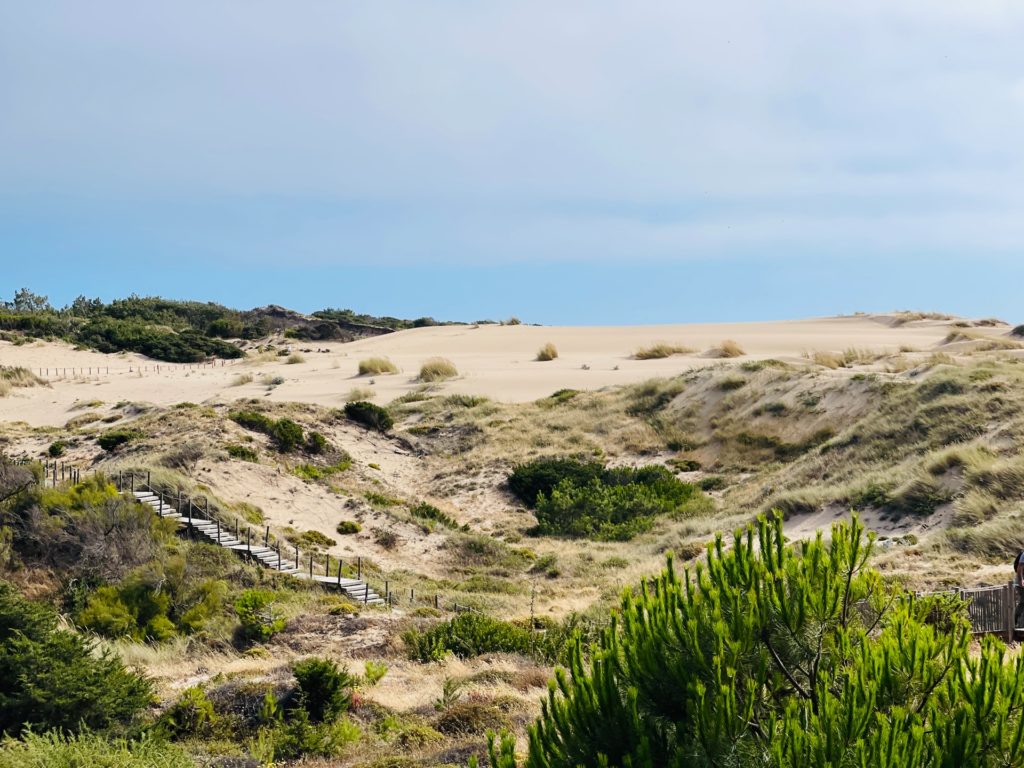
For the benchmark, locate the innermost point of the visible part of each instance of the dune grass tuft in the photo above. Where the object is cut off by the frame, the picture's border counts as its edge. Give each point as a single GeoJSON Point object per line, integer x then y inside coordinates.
{"type": "Point", "coordinates": [376, 366]}
{"type": "Point", "coordinates": [294, 359]}
{"type": "Point", "coordinates": [241, 380]}
{"type": "Point", "coordinates": [727, 348]}
{"type": "Point", "coordinates": [438, 369]}
{"type": "Point", "coordinates": [547, 352]}
{"type": "Point", "coordinates": [660, 350]}
{"type": "Point", "coordinates": [17, 376]}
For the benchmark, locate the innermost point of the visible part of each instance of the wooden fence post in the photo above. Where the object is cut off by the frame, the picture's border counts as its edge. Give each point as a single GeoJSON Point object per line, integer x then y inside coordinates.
{"type": "Point", "coordinates": [1009, 619]}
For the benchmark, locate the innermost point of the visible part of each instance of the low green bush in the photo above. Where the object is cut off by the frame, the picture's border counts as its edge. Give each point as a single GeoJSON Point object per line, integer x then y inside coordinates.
{"type": "Point", "coordinates": [259, 619]}
{"type": "Point", "coordinates": [325, 689]}
{"type": "Point", "coordinates": [56, 449]}
{"type": "Point", "coordinates": [369, 415]}
{"type": "Point", "coordinates": [473, 634]}
{"type": "Point", "coordinates": [90, 750]}
{"type": "Point", "coordinates": [316, 443]}
{"type": "Point", "coordinates": [347, 527]}
{"type": "Point", "coordinates": [426, 511]}
{"type": "Point", "coordinates": [191, 715]}
{"type": "Point", "coordinates": [243, 453]}
{"type": "Point", "coordinates": [528, 481]}
{"type": "Point", "coordinates": [712, 483]}
{"type": "Point", "coordinates": [286, 434]}
{"type": "Point", "coordinates": [115, 438]}
{"type": "Point", "coordinates": [56, 679]}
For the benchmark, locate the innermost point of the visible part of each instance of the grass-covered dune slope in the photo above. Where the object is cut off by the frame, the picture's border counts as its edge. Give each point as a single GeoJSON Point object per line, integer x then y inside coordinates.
{"type": "Point", "coordinates": [531, 519]}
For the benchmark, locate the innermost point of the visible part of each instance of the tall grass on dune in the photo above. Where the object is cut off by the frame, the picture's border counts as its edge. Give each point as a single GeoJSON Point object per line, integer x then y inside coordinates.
{"type": "Point", "coordinates": [438, 369]}
{"type": "Point", "coordinates": [17, 376]}
{"type": "Point", "coordinates": [727, 348]}
{"type": "Point", "coordinates": [548, 352]}
{"type": "Point", "coordinates": [660, 350]}
{"type": "Point", "coordinates": [376, 366]}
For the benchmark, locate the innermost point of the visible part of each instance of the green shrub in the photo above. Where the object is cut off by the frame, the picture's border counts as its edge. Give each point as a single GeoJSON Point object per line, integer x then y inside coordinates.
{"type": "Point", "coordinates": [114, 438]}
{"type": "Point", "coordinates": [469, 635]}
{"type": "Point", "coordinates": [90, 750]}
{"type": "Point", "coordinates": [298, 737]}
{"type": "Point", "coordinates": [243, 453]}
{"type": "Point", "coordinates": [56, 449]}
{"type": "Point", "coordinates": [325, 689]}
{"type": "Point", "coordinates": [56, 679]}
{"type": "Point", "coordinates": [528, 481]}
{"type": "Point", "coordinates": [574, 498]}
{"type": "Point", "coordinates": [191, 715]}
{"type": "Point", "coordinates": [1018, 331]}
{"type": "Point", "coordinates": [376, 366]}
{"type": "Point", "coordinates": [312, 539]}
{"type": "Point", "coordinates": [731, 383]}
{"type": "Point", "coordinates": [316, 443]}
{"type": "Point", "coordinates": [854, 666]}
{"type": "Point", "coordinates": [426, 511]}
{"type": "Point", "coordinates": [712, 483]}
{"type": "Point", "coordinates": [260, 621]}
{"type": "Point", "coordinates": [438, 369]}
{"type": "Point", "coordinates": [287, 435]}
{"type": "Point", "coordinates": [347, 527]}
{"type": "Point", "coordinates": [375, 672]}
{"type": "Point", "coordinates": [252, 420]}
{"type": "Point", "coordinates": [369, 415]}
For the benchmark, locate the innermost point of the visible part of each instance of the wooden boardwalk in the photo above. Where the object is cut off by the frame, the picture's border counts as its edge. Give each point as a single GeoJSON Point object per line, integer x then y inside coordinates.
{"type": "Point", "coordinates": [201, 523]}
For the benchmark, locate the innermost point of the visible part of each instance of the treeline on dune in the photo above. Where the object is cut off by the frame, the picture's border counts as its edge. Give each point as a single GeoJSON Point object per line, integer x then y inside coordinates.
{"type": "Point", "coordinates": [179, 331]}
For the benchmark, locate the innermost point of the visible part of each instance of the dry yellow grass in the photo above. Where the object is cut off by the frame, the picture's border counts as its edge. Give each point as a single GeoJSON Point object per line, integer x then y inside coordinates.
{"type": "Point", "coordinates": [547, 352]}
{"type": "Point", "coordinates": [727, 348]}
{"type": "Point", "coordinates": [294, 359]}
{"type": "Point", "coordinates": [438, 369]}
{"type": "Point", "coordinates": [376, 366]}
{"type": "Point", "coordinates": [660, 350]}
{"type": "Point", "coordinates": [359, 393]}
{"type": "Point", "coordinates": [241, 380]}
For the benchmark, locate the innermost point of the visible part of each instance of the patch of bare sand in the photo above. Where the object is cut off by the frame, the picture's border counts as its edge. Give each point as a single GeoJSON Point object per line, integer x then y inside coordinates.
{"type": "Point", "coordinates": [496, 361]}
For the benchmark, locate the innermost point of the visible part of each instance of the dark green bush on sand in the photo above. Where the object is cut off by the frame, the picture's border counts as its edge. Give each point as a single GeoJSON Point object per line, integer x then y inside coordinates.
{"type": "Point", "coordinates": [369, 415]}
{"type": "Point", "coordinates": [52, 678]}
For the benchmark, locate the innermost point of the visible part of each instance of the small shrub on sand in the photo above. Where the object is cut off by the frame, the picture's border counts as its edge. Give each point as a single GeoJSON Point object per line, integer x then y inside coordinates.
{"type": "Point", "coordinates": [295, 359]}
{"type": "Point", "coordinates": [376, 366]}
{"type": "Point", "coordinates": [727, 348]}
{"type": "Point", "coordinates": [547, 352]}
{"type": "Point", "coordinates": [348, 527]}
{"type": "Point", "coordinates": [369, 415]}
{"type": "Point", "coordinates": [241, 380]}
{"type": "Point", "coordinates": [660, 350]}
{"type": "Point", "coordinates": [1018, 331]}
{"type": "Point", "coordinates": [113, 439]}
{"type": "Point", "coordinates": [438, 369]}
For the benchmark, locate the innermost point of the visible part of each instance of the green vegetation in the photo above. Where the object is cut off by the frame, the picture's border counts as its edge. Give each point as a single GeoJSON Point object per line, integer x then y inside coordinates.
{"type": "Point", "coordinates": [285, 433]}
{"type": "Point", "coordinates": [53, 678]}
{"type": "Point", "coordinates": [54, 750]}
{"type": "Point", "coordinates": [369, 415]}
{"type": "Point", "coordinates": [348, 527]}
{"type": "Point", "coordinates": [325, 690]}
{"type": "Point", "coordinates": [546, 353]}
{"type": "Point", "coordinates": [585, 499]}
{"type": "Point", "coordinates": [243, 453]}
{"type": "Point", "coordinates": [474, 634]}
{"type": "Point", "coordinates": [425, 511]}
{"type": "Point", "coordinates": [56, 449]}
{"type": "Point", "coordinates": [438, 369]}
{"type": "Point", "coordinates": [258, 615]}
{"type": "Point", "coordinates": [376, 366]}
{"type": "Point", "coordinates": [113, 439]}
{"type": "Point", "coordinates": [783, 655]}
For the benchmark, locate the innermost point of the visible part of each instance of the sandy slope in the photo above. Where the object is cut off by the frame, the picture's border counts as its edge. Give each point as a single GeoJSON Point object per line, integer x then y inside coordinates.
{"type": "Point", "coordinates": [496, 361]}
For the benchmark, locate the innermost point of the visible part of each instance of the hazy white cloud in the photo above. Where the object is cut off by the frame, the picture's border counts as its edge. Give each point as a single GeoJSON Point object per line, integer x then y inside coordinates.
{"type": "Point", "coordinates": [353, 132]}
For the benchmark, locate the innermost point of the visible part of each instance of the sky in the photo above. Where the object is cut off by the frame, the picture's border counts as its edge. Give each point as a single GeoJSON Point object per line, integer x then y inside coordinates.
{"type": "Point", "coordinates": [567, 162]}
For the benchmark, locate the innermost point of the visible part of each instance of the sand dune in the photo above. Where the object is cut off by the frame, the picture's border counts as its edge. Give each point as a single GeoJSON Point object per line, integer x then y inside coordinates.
{"type": "Point", "coordinates": [496, 361]}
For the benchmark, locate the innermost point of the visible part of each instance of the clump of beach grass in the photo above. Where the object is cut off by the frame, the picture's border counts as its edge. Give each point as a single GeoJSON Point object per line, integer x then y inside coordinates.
{"type": "Point", "coordinates": [660, 350]}
{"type": "Point", "coordinates": [17, 376]}
{"type": "Point", "coordinates": [359, 393]}
{"type": "Point", "coordinates": [726, 348]}
{"type": "Point", "coordinates": [241, 380]}
{"type": "Point", "coordinates": [376, 366]}
{"type": "Point", "coordinates": [294, 359]}
{"type": "Point", "coordinates": [438, 369]}
{"type": "Point", "coordinates": [548, 352]}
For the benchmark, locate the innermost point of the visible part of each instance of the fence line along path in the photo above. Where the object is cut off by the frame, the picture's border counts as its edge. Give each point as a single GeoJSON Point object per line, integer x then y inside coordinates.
{"type": "Point", "coordinates": [202, 523]}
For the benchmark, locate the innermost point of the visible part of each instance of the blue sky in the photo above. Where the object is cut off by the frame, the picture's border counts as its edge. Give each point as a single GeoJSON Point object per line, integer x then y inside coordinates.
{"type": "Point", "coordinates": [569, 162]}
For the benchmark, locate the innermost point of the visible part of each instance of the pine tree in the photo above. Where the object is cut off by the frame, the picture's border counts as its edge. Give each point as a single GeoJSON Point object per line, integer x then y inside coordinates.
{"type": "Point", "coordinates": [776, 654]}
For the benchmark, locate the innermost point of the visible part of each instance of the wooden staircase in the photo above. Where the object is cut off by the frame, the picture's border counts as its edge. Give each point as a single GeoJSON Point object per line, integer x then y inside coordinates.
{"type": "Point", "coordinates": [269, 557]}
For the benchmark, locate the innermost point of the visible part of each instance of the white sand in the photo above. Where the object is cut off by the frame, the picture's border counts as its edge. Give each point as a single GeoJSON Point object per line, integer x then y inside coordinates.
{"type": "Point", "coordinates": [496, 361]}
